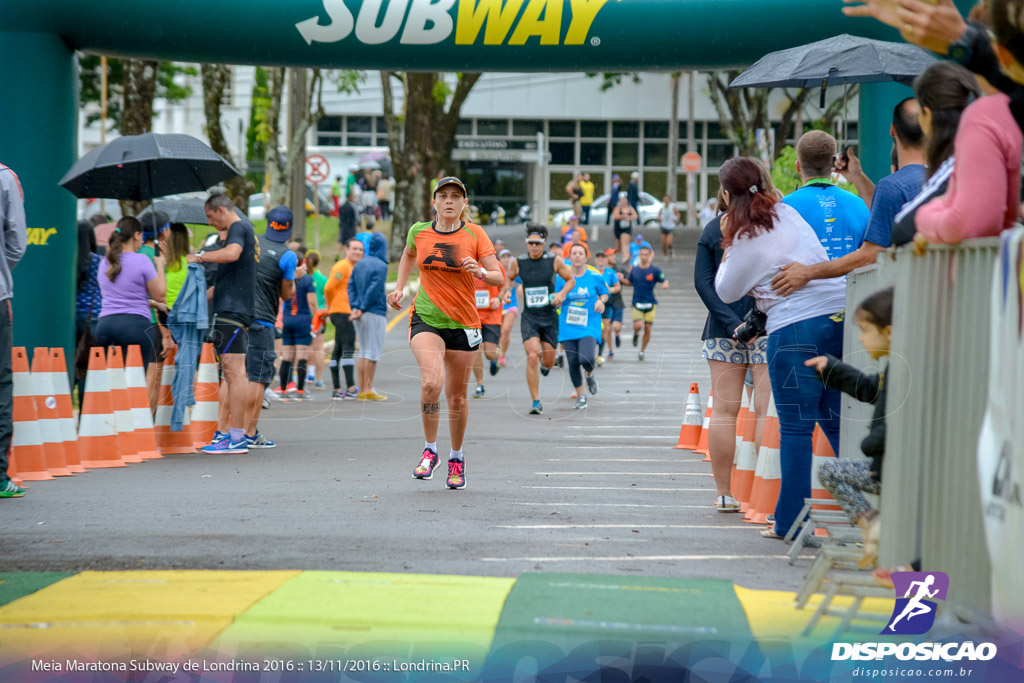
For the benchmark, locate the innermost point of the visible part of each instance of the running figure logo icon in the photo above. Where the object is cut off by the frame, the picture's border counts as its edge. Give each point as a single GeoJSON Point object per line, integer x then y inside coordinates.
{"type": "Point", "coordinates": [914, 613]}
{"type": "Point", "coordinates": [443, 252]}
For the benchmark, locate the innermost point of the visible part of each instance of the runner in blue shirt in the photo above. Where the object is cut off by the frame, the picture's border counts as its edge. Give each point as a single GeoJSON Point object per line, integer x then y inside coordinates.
{"type": "Point", "coordinates": [839, 218]}
{"type": "Point", "coordinates": [612, 314]}
{"type": "Point", "coordinates": [643, 277]}
{"type": "Point", "coordinates": [579, 322]}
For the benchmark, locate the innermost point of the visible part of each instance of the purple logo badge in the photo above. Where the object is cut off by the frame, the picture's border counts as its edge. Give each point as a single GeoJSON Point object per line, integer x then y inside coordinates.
{"type": "Point", "coordinates": [915, 608]}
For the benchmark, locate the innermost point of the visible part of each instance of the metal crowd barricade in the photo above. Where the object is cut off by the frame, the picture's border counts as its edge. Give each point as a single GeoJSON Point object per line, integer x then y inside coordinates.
{"type": "Point", "coordinates": [937, 388]}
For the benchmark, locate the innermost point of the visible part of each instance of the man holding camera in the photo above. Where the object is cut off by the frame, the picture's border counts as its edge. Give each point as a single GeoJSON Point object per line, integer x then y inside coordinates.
{"type": "Point", "coordinates": [840, 218]}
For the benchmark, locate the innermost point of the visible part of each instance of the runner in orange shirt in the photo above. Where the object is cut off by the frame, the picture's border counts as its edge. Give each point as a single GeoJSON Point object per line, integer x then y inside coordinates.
{"type": "Point", "coordinates": [444, 326]}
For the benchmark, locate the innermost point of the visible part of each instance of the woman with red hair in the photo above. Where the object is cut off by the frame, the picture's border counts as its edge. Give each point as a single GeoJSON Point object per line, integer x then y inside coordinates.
{"type": "Point", "coordinates": [760, 236]}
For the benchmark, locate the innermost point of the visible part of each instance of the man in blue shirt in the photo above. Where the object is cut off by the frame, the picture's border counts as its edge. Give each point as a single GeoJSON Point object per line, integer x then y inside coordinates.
{"type": "Point", "coordinates": [837, 216]}
{"type": "Point", "coordinates": [885, 201]}
{"type": "Point", "coordinates": [643, 277]}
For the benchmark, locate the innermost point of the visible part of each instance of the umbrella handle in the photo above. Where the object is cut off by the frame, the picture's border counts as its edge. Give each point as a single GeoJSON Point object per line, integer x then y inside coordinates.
{"type": "Point", "coordinates": [824, 85]}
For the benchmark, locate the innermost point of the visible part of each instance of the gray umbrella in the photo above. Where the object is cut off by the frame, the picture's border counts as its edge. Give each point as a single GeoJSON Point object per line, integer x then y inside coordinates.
{"type": "Point", "coordinates": [139, 167]}
{"type": "Point", "coordinates": [841, 60]}
{"type": "Point", "coordinates": [188, 210]}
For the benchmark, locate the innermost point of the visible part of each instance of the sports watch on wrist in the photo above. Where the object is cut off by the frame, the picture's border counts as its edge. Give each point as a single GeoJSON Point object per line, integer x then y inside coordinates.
{"type": "Point", "coordinates": [961, 50]}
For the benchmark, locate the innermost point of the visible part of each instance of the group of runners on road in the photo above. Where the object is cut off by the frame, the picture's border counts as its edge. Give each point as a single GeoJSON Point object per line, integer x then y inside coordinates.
{"type": "Point", "coordinates": [468, 300]}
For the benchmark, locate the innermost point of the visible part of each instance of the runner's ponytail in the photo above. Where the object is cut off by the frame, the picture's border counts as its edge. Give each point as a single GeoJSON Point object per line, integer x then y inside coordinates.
{"type": "Point", "coordinates": [127, 228]}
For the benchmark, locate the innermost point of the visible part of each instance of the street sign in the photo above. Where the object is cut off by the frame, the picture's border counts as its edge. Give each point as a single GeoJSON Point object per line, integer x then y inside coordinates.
{"type": "Point", "coordinates": [317, 169]}
{"type": "Point", "coordinates": [691, 162]}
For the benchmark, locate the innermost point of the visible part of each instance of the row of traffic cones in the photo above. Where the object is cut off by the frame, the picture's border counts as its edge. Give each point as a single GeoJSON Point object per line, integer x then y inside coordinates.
{"type": "Point", "coordinates": [757, 472]}
{"type": "Point", "coordinates": [115, 427]}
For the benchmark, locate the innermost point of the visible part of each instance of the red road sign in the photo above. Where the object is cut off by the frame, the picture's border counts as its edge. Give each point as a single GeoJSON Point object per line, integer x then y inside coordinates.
{"type": "Point", "coordinates": [692, 162]}
{"type": "Point", "coordinates": [317, 169]}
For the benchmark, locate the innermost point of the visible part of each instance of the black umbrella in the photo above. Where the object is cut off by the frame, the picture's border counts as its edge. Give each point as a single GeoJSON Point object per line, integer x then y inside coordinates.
{"type": "Point", "coordinates": [844, 59]}
{"type": "Point", "coordinates": [189, 210]}
{"type": "Point", "coordinates": [139, 167]}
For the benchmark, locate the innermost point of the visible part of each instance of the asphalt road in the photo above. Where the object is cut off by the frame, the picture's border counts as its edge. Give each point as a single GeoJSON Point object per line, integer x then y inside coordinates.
{"type": "Point", "coordinates": [596, 491]}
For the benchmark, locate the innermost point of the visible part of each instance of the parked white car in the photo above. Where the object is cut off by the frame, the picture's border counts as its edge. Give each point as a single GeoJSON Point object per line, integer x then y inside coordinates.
{"type": "Point", "coordinates": [648, 210]}
{"type": "Point", "coordinates": [257, 211]}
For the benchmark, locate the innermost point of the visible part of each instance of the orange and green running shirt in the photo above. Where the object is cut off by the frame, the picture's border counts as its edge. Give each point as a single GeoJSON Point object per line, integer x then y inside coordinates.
{"type": "Point", "coordinates": [446, 298]}
{"type": "Point", "coordinates": [484, 293]}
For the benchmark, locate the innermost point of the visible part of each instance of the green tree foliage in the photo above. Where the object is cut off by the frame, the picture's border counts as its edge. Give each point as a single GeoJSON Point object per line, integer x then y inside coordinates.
{"type": "Point", "coordinates": [786, 178]}
{"type": "Point", "coordinates": [257, 135]}
{"type": "Point", "coordinates": [90, 79]}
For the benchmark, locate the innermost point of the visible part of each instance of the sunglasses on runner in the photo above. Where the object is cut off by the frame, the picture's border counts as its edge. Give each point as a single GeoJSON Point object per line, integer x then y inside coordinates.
{"type": "Point", "coordinates": [535, 242]}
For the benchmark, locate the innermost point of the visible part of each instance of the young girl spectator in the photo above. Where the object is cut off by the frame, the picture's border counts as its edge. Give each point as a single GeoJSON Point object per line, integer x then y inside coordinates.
{"type": "Point", "coordinates": [297, 336]}
{"type": "Point", "coordinates": [128, 281]}
{"type": "Point", "coordinates": [760, 236]}
{"type": "Point", "coordinates": [846, 480]}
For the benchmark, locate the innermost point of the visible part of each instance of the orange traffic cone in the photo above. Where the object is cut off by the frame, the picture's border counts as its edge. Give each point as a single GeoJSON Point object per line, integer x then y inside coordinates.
{"type": "Point", "coordinates": [167, 441]}
{"type": "Point", "coordinates": [27, 452]}
{"type": "Point", "coordinates": [207, 394]}
{"type": "Point", "coordinates": [742, 418]}
{"type": "Point", "coordinates": [46, 413]}
{"type": "Point", "coordinates": [746, 459]}
{"type": "Point", "coordinates": [822, 452]}
{"type": "Point", "coordinates": [689, 432]}
{"type": "Point", "coordinates": [138, 399]}
{"type": "Point", "coordinates": [702, 443]}
{"type": "Point", "coordinates": [65, 413]}
{"type": "Point", "coordinates": [122, 408]}
{"type": "Point", "coordinates": [97, 426]}
{"type": "Point", "coordinates": [764, 492]}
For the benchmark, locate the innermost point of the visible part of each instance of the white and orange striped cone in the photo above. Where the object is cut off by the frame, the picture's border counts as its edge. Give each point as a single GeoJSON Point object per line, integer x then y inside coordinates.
{"type": "Point", "coordinates": [764, 493]}
{"type": "Point", "coordinates": [27, 455]}
{"type": "Point", "coordinates": [689, 432]}
{"type": "Point", "coordinates": [822, 453]}
{"type": "Point", "coordinates": [65, 412]}
{"type": "Point", "coordinates": [46, 413]}
{"type": "Point", "coordinates": [97, 427]}
{"type": "Point", "coordinates": [167, 441]}
{"type": "Point", "coordinates": [138, 400]}
{"type": "Point", "coordinates": [746, 459]}
{"type": "Point", "coordinates": [705, 430]}
{"type": "Point", "coordinates": [207, 394]}
{"type": "Point", "coordinates": [742, 418]}
{"type": "Point", "coordinates": [122, 408]}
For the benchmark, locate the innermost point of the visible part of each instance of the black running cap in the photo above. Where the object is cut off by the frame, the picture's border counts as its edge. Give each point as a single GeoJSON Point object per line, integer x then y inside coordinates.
{"type": "Point", "coordinates": [450, 180]}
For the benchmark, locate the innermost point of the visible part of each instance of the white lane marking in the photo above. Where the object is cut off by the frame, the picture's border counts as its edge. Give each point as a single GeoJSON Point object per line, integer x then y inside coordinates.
{"type": "Point", "coordinates": [753, 527]}
{"type": "Point", "coordinates": [624, 437]}
{"type": "Point", "coordinates": [644, 425]}
{"type": "Point", "coordinates": [674, 461]}
{"type": "Point", "coordinates": [626, 474]}
{"type": "Point", "coordinates": [614, 488]}
{"type": "Point", "coordinates": [639, 558]}
{"type": "Point", "coordinates": [616, 505]}
{"type": "Point", "coordinates": [608, 448]}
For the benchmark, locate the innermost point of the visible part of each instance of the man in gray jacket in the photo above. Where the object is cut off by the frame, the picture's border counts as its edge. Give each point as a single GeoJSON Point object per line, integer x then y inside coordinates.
{"type": "Point", "coordinates": [13, 238]}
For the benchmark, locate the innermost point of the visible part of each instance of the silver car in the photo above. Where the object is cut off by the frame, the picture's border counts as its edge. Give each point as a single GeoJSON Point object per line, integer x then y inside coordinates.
{"type": "Point", "coordinates": [648, 210]}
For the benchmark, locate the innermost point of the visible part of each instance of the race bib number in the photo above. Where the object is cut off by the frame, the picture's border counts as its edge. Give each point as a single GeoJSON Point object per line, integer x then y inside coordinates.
{"type": "Point", "coordinates": [483, 298]}
{"type": "Point", "coordinates": [536, 297]}
{"type": "Point", "coordinates": [643, 307]}
{"type": "Point", "coordinates": [474, 336]}
{"type": "Point", "coordinates": [576, 315]}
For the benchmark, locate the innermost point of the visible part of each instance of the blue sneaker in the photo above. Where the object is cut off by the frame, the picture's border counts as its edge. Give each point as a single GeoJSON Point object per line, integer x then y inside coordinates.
{"type": "Point", "coordinates": [494, 368]}
{"type": "Point", "coordinates": [537, 408]}
{"type": "Point", "coordinates": [217, 436]}
{"type": "Point", "coordinates": [259, 441]}
{"type": "Point", "coordinates": [228, 447]}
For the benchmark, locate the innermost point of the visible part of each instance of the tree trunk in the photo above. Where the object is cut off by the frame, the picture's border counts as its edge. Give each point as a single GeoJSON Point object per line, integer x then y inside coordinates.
{"type": "Point", "coordinates": [420, 144]}
{"type": "Point", "coordinates": [139, 90]}
{"type": "Point", "coordinates": [298, 112]}
{"type": "Point", "coordinates": [278, 192]}
{"type": "Point", "coordinates": [673, 137]}
{"type": "Point", "coordinates": [215, 81]}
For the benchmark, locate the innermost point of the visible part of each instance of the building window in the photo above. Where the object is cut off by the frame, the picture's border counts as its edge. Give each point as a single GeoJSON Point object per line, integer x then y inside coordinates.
{"type": "Point", "coordinates": [625, 129]}
{"type": "Point", "coordinates": [465, 127]}
{"type": "Point", "coordinates": [593, 153]}
{"type": "Point", "coordinates": [382, 140]}
{"type": "Point", "coordinates": [593, 129]}
{"type": "Point", "coordinates": [562, 129]}
{"type": "Point", "coordinates": [328, 131]}
{"type": "Point", "coordinates": [496, 127]}
{"type": "Point", "coordinates": [527, 127]}
{"type": "Point", "coordinates": [360, 141]}
{"type": "Point", "coordinates": [719, 153]}
{"type": "Point", "coordinates": [655, 154]}
{"type": "Point", "coordinates": [625, 154]}
{"type": "Point", "coordinates": [359, 124]}
{"type": "Point", "coordinates": [656, 129]}
{"type": "Point", "coordinates": [562, 153]}
{"type": "Point", "coordinates": [715, 131]}
{"type": "Point", "coordinates": [655, 183]}
{"type": "Point", "coordinates": [698, 130]}
{"type": "Point", "coordinates": [556, 186]}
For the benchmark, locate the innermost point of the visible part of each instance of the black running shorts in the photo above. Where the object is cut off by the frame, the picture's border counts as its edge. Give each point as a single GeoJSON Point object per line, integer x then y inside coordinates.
{"type": "Point", "coordinates": [454, 339]}
{"type": "Point", "coordinates": [545, 327]}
